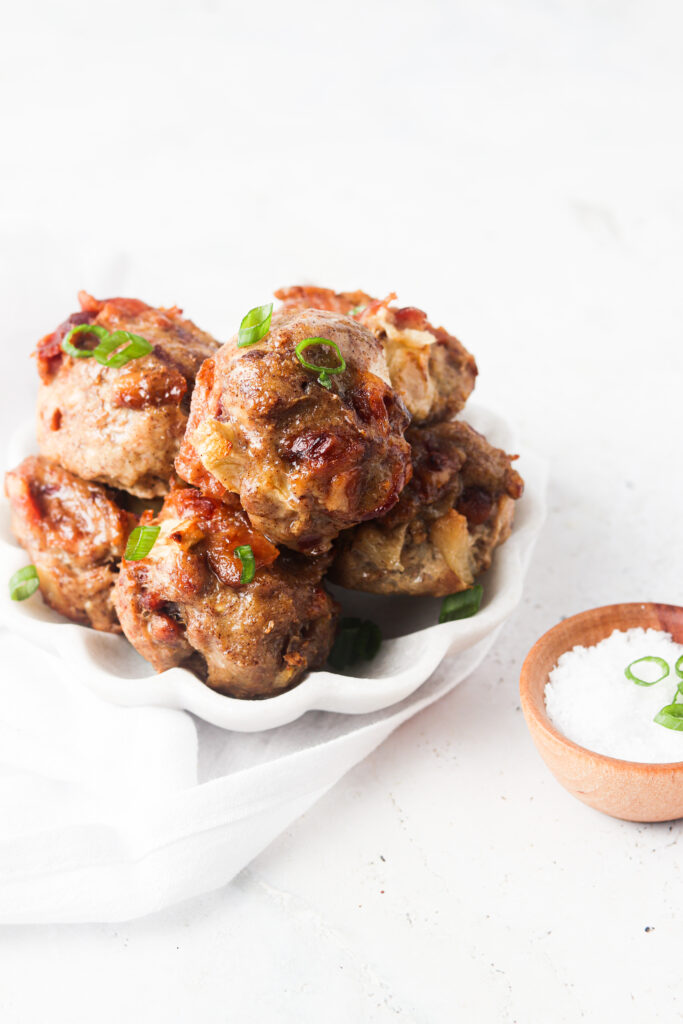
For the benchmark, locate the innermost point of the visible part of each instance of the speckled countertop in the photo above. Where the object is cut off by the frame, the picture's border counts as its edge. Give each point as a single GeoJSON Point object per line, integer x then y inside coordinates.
{"type": "Point", "coordinates": [515, 169]}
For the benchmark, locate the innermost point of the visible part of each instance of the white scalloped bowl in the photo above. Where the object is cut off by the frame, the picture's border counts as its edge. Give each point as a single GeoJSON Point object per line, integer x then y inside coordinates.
{"type": "Point", "coordinates": [414, 642]}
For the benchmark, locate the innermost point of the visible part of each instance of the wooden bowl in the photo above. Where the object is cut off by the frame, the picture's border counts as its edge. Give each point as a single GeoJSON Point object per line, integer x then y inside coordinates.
{"type": "Point", "coordinates": [625, 789]}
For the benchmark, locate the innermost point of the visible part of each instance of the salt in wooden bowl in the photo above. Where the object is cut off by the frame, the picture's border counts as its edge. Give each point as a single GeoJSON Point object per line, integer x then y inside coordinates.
{"type": "Point", "coordinates": [631, 790]}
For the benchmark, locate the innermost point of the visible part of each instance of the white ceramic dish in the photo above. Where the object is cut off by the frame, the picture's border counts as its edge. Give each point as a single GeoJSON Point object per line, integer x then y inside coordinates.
{"type": "Point", "coordinates": [414, 641]}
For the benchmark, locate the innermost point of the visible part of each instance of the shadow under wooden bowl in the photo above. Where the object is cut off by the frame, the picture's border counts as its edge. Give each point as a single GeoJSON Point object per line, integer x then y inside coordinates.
{"type": "Point", "coordinates": [630, 790]}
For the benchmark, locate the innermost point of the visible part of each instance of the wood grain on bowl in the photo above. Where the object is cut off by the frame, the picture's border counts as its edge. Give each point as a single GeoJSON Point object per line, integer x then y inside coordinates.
{"type": "Point", "coordinates": [624, 789]}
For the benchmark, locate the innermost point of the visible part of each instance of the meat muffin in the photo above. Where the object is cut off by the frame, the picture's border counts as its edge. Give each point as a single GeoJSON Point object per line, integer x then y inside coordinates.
{"type": "Point", "coordinates": [456, 509]}
{"type": "Point", "coordinates": [185, 604]}
{"type": "Point", "coordinates": [430, 369]}
{"type": "Point", "coordinates": [75, 534]}
{"type": "Point", "coordinates": [120, 426]}
{"type": "Point", "coordinates": [309, 453]}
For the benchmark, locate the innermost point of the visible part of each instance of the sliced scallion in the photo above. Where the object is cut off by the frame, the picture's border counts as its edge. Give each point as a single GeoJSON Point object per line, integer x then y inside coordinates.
{"type": "Point", "coordinates": [648, 659]}
{"type": "Point", "coordinates": [461, 605]}
{"type": "Point", "coordinates": [678, 669]}
{"type": "Point", "coordinates": [255, 325]}
{"type": "Point", "coordinates": [23, 583]}
{"type": "Point", "coordinates": [322, 371]}
{"type": "Point", "coordinates": [246, 557]}
{"type": "Point", "coordinates": [355, 310]}
{"type": "Point", "coordinates": [141, 542]}
{"type": "Point", "coordinates": [671, 717]}
{"type": "Point", "coordinates": [356, 640]}
{"type": "Point", "coordinates": [83, 353]}
{"type": "Point", "coordinates": [105, 353]}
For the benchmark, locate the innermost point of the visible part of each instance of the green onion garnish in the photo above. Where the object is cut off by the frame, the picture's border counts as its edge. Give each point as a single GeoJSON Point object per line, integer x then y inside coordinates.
{"type": "Point", "coordinates": [671, 717]}
{"type": "Point", "coordinates": [246, 557]}
{"type": "Point", "coordinates": [83, 353]}
{"type": "Point", "coordinates": [136, 346]}
{"type": "Point", "coordinates": [141, 542]}
{"type": "Point", "coordinates": [663, 665]}
{"type": "Point", "coordinates": [357, 640]}
{"type": "Point", "coordinates": [255, 325]}
{"type": "Point", "coordinates": [24, 583]}
{"type": "Point", "coordinates": [461, 605]}
{"type": "Point", "coordinates": [678, 669]}
{"type": "Point", "coordinates": [355, 310]}
{"type": "Point", "coordinates": [323, 371]}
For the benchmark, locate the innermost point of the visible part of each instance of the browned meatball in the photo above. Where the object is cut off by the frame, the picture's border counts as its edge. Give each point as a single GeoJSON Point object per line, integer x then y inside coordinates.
{"type": "Point", "coordinates": [123, 426]}
{"type": "Point", "coordinates": [457, 508]}
{"type": "Point", "coordinates": [184, 604]}
{"type": "Point", "coordinates": [75, 534]}
{"type": "Point", "coordinates": [306, 460]}
{"type": "Point", "coordinates": [432, 371]}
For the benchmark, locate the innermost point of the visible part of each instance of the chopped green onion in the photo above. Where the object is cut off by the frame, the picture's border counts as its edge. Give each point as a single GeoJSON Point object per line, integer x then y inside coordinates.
{"type": "Point", "coordinates": [678, 669]}
{"type": "Point", "coordinates": [136, 346]}
{"type": "Point", "coordinates": [357, 640]}
{"type": "Point", "coordinates": [461, 605]}
{"type": "Point", "coordinates": [663, 665]}
{"type": "Point", "coordinates": [83, 353]}
{"type": "Point", "coordinates": [671, 717]}
{"type": "Point", "coordinates": [141, 542]}
{"type": "Point", "coordinates": [255, 325]}
{"type": "Point", "coordinates": [246, 557]}
{"type": "Point", "coordinates": [24, 583]}
{"type": "Point", "coordinates": [323, 371]}
{"type": "Point", "coordinates": [355, 310]}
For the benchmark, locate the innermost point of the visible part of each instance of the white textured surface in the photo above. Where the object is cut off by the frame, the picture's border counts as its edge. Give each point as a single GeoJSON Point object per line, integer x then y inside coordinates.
{"type": "Point", "coordinates": [515, 168]}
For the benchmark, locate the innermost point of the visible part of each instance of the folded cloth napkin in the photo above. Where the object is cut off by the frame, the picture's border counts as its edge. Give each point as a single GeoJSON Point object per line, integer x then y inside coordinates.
{"type": "Point", "coordinates": [110, 813]}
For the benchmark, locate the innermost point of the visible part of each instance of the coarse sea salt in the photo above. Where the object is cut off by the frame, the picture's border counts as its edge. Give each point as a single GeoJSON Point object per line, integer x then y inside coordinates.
{"type": "Point", "coordinates": [590, 700]}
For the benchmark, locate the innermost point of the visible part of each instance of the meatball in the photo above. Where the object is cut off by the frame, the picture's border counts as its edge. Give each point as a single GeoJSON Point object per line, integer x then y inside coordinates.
{"type": "Point", "coordinates": [430, 369]}
{"type": "Point", "coordinates": [307, 460]}
{"type": "Point", "coordinates": [184, 603]}
{"type": "Point", "coordinates": [457, 508]}
{"type": "Point", "coordinates": [75, 534]}
{"type": "Point", "coordinates": [121, 427]}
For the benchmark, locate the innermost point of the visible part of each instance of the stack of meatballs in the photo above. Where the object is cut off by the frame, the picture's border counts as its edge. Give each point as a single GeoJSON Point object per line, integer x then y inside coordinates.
{"type": "Point", "coordinates": [361, 476]}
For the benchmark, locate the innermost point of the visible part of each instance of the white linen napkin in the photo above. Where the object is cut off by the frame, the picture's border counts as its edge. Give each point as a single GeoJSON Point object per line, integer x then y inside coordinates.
{"type": "Point", "coordinates": [109, 813]}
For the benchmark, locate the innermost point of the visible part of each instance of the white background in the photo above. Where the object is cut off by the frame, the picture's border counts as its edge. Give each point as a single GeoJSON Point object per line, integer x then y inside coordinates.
{"type": "Point", "coordinates": [515, 169]}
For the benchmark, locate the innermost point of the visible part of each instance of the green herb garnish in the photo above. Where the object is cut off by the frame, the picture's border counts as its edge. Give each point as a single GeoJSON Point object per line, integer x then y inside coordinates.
{"type": "Point", "coordinates": [671, 717]}
{"type": "Point", "coordinates": [356, 640]}
{"type": "Point", "coordinates": [141, 542]}
{"type": "Point", "coordinates": [246, 557]}
{"type": "Point", "coordinates": [24, 583]}
{"type": "Point", "coordinates": [461, 605]}
{"type": "Point", "coordinates": [255, 325]}
{"type": "Point", "coordinates": [663, 665]}
{"type": "Point", "coordinates": [323, 371]}
{"type": "Point", "coordinates": [355, 310]}
{"type": "Point", "coordinates": [105, 353]}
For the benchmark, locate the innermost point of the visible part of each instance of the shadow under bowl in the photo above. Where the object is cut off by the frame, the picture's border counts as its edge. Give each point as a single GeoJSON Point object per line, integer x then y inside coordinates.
{"type": "Point", "coordinates": [630, 790]}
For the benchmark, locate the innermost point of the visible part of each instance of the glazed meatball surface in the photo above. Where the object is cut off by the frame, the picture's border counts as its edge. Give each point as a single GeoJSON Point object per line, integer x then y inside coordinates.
{"type": "Point", "coordinates": [306, 460]}
{"type": "Point", "coordinates": [75, 534]}
{"type": "Point", "coordinates": [457, 508]}
{"type": "Point", "coordinates": [184, 603]}
{"type": "Point", "coordinates": [120, 427]}
{"type": "Point", "coordinates": [430, 369]}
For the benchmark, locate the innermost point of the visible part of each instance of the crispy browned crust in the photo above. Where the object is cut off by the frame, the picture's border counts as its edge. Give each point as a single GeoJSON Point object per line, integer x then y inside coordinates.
{"type": "Point", "coordinates": [430, 369]}
{"type": "Point", "coordinates": [305, 461]}
{"type": "Point", "coordinates": [184, 604]}
{"type": "Point", "coordinates": [121, 427]}
{"type": "Point", "coordinates": [75, 534]}
{"type": "Point", "coordinates": [457, 508]}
